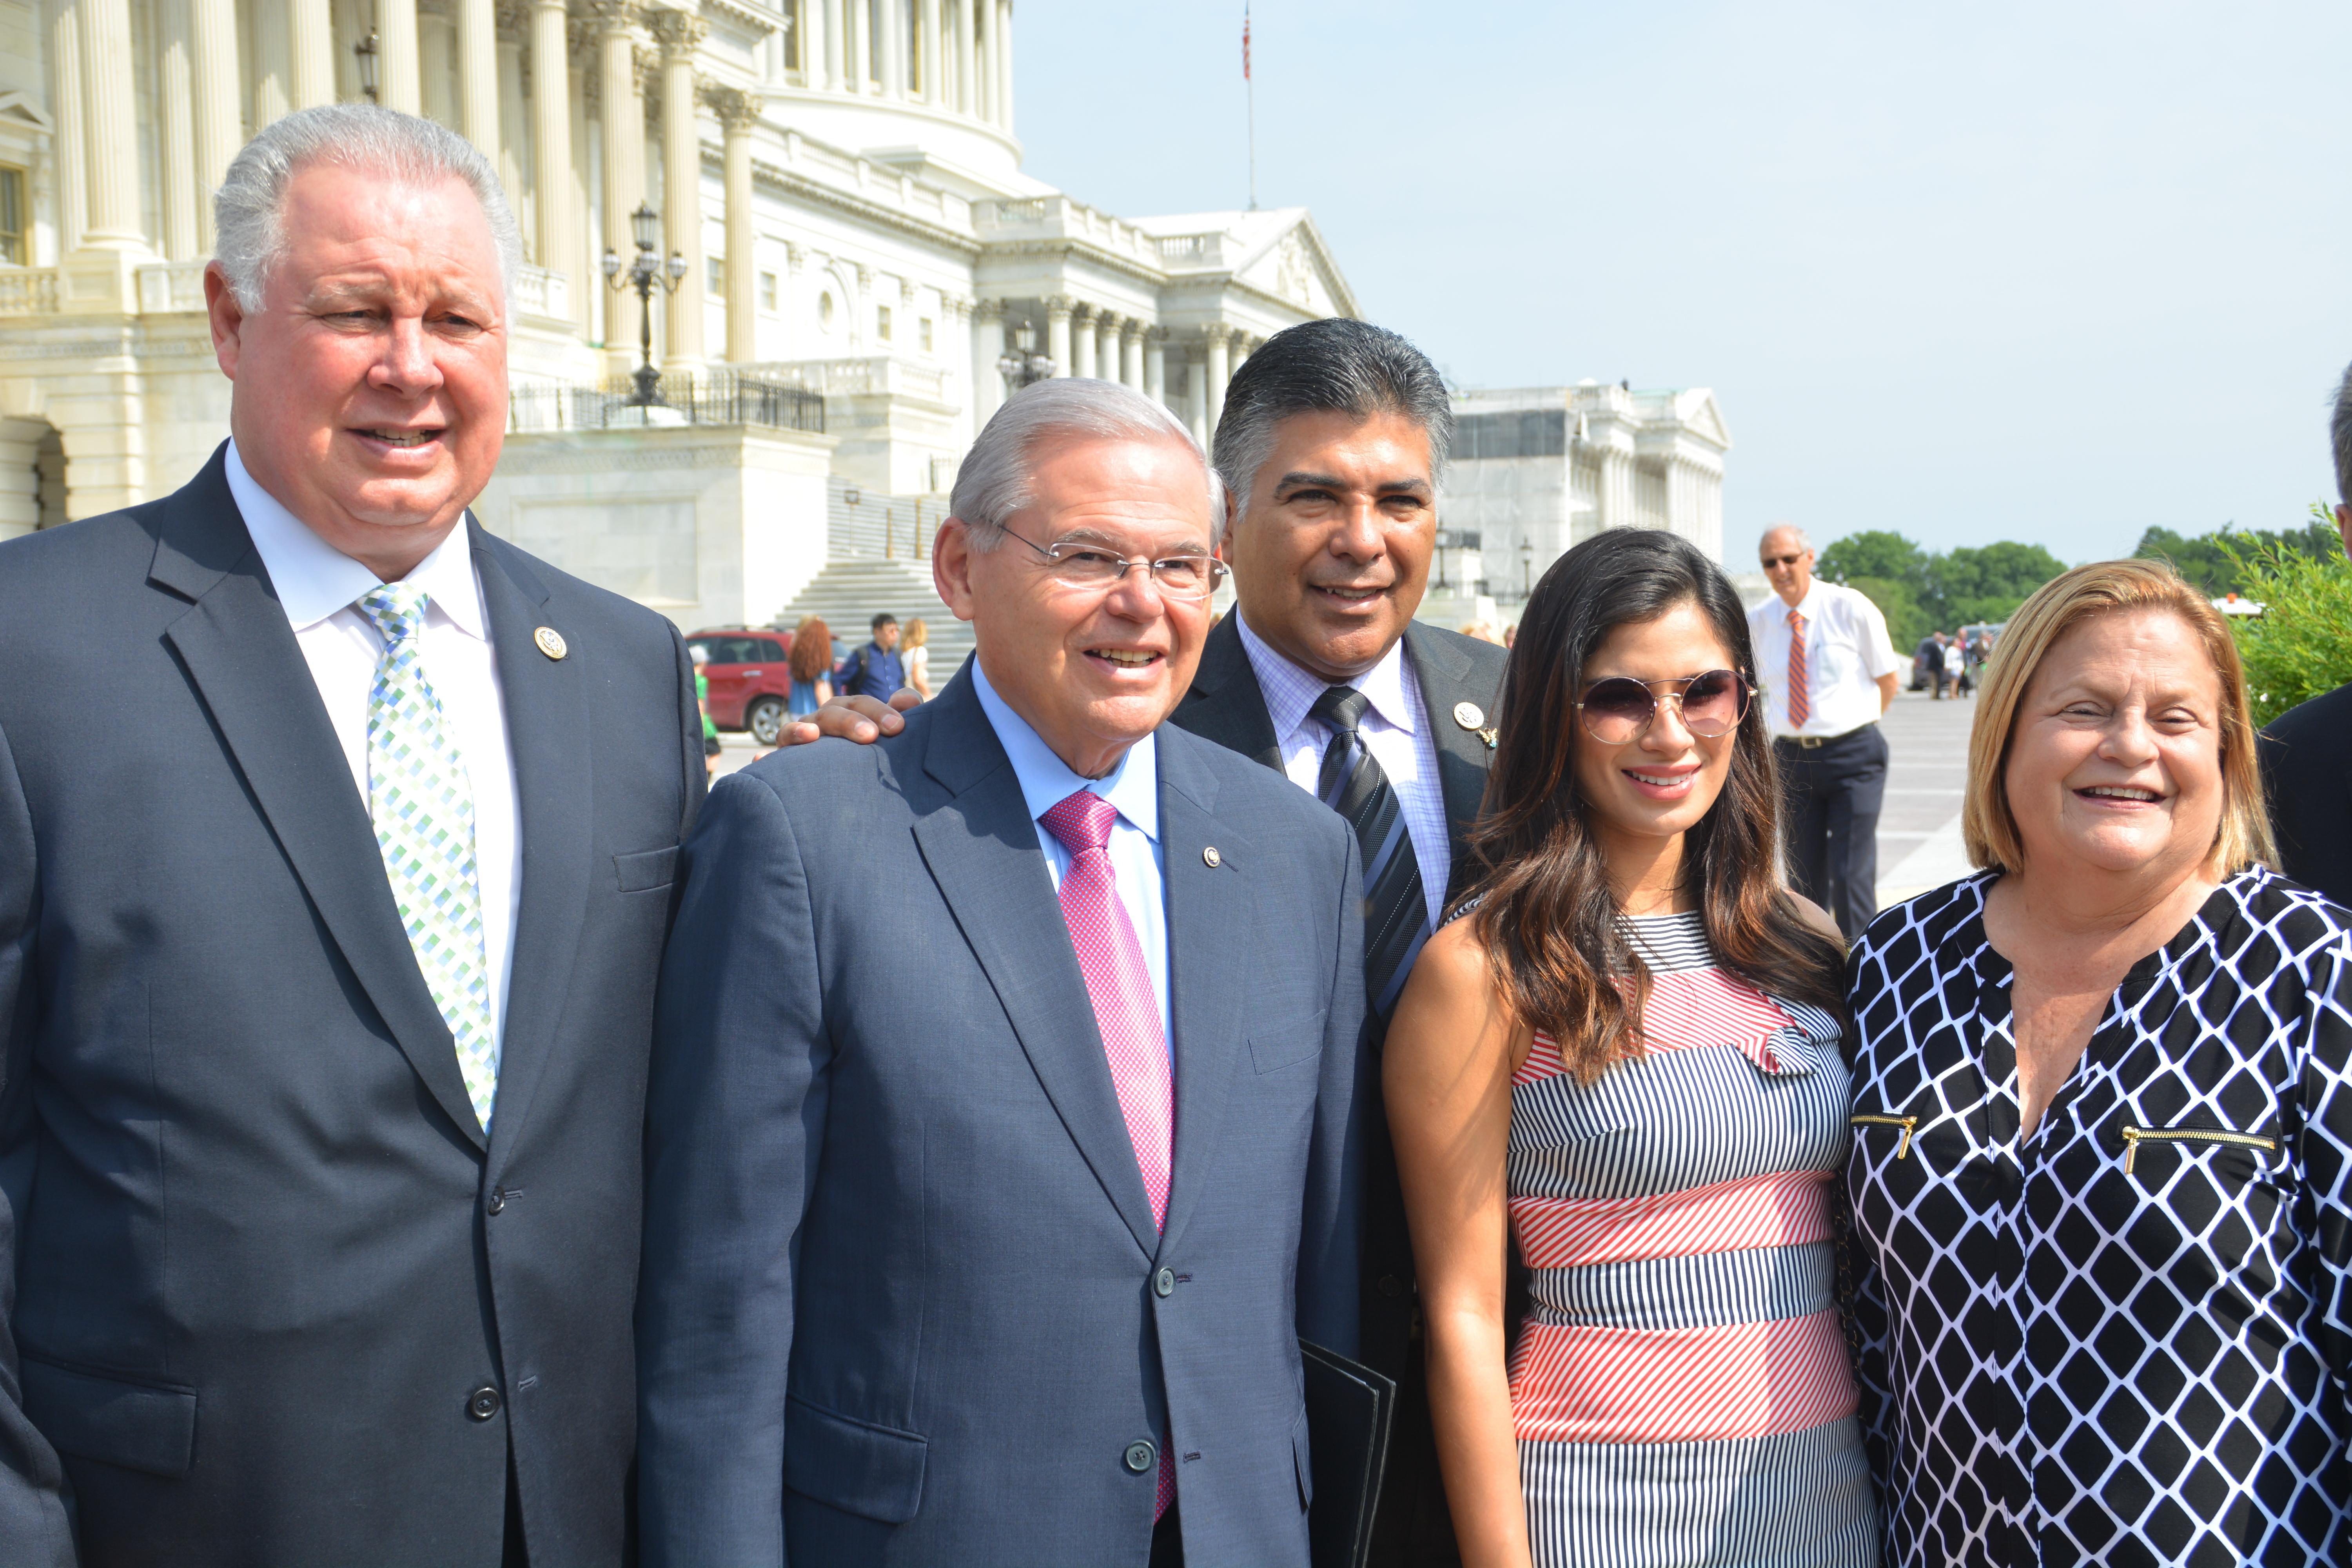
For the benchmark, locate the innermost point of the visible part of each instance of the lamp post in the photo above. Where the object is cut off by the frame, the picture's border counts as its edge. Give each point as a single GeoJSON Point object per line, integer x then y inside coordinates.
{"type": "Point", "coordinates": [1526, 568]}
{"type": "Point", "coordinates": [1022, 366]}
{"type": "Point", "coordinates": [367, 51]}
{"type": "Point", "coordinates": [641, 274]}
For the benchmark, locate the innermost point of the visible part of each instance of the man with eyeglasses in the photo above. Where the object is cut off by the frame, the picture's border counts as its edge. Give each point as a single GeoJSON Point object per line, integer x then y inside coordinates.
{"type": "Point", "coordinates": [1827, 669]}
{"type": "Point", "coordinates": [1008, 1260]}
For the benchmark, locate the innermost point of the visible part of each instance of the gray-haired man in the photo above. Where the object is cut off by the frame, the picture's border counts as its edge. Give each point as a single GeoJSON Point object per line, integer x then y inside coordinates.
{"type": "Point", "coordinates": [329, 928]}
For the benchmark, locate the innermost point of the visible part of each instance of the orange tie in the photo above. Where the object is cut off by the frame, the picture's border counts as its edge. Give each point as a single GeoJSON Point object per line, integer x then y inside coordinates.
{"type": "Point", "coordinates": [1800, 697]}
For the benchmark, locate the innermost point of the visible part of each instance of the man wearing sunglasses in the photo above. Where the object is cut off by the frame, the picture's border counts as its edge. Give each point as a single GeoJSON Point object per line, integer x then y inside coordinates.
{"type": "Point", "coordinates": [1828, 671]}
{"type": "Point", "coordinates": [1007, 1259]}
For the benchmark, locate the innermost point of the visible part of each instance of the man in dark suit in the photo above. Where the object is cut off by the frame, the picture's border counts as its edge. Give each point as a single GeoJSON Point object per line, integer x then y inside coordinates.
{"type": "Point", "coordinates": [2306, 751]}
{"type": "Point", "coordinates": [1331, 444]}
{"type": "Point", "coordinates": [331, 899]}
{"type": "Point", "coordinates": [1008, 1260]}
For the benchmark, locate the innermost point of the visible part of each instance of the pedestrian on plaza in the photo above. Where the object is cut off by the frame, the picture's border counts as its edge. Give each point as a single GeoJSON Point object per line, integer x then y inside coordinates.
{"type": "Point", "coordinates": [874, 670]}
{"type": "Point", "coordinates": [701, 656]}
{"type": "Point", "coordinates": [2102, 1172]}
{"type": "Point", "coordinates": [2306, 751]}
{"type": "Point", "coordinates": [915, 653]}
{"type": "Point", "coordinates": [1828, 671]}
{"type": "Point", "coordinates": [332, 920]}
{"type": "Point", "coordinates": [1956, 664]}
{"type": "Point", "coordinates": [810, 667]}
{"type": "Point", "coordinates": [1084, 1188]}
{"type": "Point", "coordinates": [1332, 444]}
{"type": "Point", "coordinates": [1927, 663]}
{"type": "Point", "coordinates": [1619, 1065]}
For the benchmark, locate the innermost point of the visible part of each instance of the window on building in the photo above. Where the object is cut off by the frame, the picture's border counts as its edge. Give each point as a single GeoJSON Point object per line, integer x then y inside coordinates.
{"type": "Point", "coordinates": [824, 309]}
{"type": "Point", "coordinates": [882, 322]}
{"type": "Point", "coordinates": [768, 292]}
{"type": "Point", "coordinates": [15, 218]}
{"type": "Point", "coordinates": [714, 276]}
{"type": "Point", "coordinates": [1531, 433]}
{"type": "Point", "coordinates": [923, 333]}
{"type": "Point", "coordinates": [795, 25]}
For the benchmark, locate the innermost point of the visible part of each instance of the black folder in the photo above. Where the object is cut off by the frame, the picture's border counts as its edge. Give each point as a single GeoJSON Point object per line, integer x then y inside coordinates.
{"type": "Point", "coordinates": [1349, 1407]}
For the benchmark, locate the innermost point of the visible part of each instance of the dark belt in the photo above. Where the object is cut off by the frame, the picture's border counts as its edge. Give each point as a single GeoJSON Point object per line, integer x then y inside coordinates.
{"type": "Point", "coordinates": [1815, 742]}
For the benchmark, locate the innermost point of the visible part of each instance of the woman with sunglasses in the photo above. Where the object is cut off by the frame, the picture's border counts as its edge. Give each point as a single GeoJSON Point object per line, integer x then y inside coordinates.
{"type": "Point", "coordinates": [1619, 1066]}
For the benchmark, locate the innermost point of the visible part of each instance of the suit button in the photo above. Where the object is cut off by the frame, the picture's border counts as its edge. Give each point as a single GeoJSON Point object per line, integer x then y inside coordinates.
{"type": "Point", "coordinates": [483, 1403]}
{"type": "Point", "coordinates": [497, 1201]}
{"type": "Point", "coordinates": [1391, 1285]}
{"type": "Point", "coordinates": [1140, 1457]}
{"type": "Point", "coordinates": [1164, 1282]}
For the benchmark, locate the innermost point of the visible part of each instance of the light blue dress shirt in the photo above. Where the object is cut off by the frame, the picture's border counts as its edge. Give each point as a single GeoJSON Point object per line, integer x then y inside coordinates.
{"type": "Point", "coordinates": [1133, 788]}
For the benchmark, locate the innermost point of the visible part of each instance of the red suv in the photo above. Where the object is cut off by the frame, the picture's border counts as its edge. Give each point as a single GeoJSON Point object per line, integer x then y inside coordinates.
{"type": "Point", "coordinates": [750, 681]}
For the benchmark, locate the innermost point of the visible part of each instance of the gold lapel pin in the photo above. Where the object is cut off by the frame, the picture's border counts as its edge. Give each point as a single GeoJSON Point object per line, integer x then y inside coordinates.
{"type": "Point", "coordinates": [1210, 856]}
{"type": "Point", "coordinates": [551, 642]}
{"type": "Point", "coordinates": [1490, 737]}
{"type": "Point", "coordinates": [1468, 715]}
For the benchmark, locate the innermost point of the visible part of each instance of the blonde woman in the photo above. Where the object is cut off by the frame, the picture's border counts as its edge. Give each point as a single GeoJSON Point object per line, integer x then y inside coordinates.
{"type": "Point", "coordinates": [2101, 1176]}
{"type": "Point", "coordinates": [915, 657]}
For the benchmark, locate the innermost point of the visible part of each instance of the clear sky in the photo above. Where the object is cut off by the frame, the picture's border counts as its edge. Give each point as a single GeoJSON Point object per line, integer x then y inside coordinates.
{"type": "Point", "coordinates": [2049, 271]}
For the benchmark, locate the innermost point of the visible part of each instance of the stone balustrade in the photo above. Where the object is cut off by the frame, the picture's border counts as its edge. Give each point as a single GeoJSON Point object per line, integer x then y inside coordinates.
{"type": "Point", "coordinates": [29, 291]}
{"type": "Point", "coordinates": [170, 287]}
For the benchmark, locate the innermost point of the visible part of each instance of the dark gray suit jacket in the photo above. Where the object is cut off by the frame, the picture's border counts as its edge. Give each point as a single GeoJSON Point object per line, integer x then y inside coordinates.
{"type": "Point", "coordinates": [1226, 705]}
{"type": "Point", "coordinates": [2306, 757]}
{"type": "Point", "coordinates": [904, 1302]}
{"type": "Point", "coordinates": [261, 1256]}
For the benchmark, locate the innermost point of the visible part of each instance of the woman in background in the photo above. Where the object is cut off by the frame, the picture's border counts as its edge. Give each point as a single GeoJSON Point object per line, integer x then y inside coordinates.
{"type": "Point", "coordinates": [1621, 1058]}
{"type": "Point", "coordinates": [810, 664]}
{"type": "Point", "coordinates": [915, 657]}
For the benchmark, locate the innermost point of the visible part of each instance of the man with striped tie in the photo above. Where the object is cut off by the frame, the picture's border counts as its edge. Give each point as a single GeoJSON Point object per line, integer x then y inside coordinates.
{"type": "Point", "coordinates": [1006, 1258]}
{"type": "Point", "coordinates": [1827, 669]}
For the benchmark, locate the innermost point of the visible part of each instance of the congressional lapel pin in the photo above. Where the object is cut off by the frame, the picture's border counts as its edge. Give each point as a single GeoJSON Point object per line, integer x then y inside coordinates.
{"type": "Point", "coordinates": [551, 642]}
{"type": "Point", "coordinates": [1490, 736]}
{"type": "Point", "coordinates": [1469, 716]}
{"type": "Point", "coordinates": [1210, 856]}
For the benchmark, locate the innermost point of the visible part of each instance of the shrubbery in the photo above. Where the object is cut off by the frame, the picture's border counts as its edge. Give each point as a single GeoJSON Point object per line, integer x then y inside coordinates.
{"type": "Point", "coordinates": [2301, 644]}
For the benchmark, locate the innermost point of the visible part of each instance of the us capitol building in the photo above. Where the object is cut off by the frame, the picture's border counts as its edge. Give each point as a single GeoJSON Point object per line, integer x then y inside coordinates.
{"type": "Point", "coordinates": [844, 264]}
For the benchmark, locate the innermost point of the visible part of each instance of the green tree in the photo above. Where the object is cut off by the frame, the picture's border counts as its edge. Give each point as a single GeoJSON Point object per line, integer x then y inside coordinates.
{"type": "Point", "coordinates": [1874, 553]}
{"type": "Point", "coordinates": [2214, 563]}
{"type": "Point", "coordinates": [2301, 644]}
{"type": "Point", "coordinates": [1986, 582]}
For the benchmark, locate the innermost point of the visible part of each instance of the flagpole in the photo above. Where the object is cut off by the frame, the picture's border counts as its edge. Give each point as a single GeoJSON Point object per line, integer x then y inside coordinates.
{"type": "Point", "coordinates": [1249, 85]}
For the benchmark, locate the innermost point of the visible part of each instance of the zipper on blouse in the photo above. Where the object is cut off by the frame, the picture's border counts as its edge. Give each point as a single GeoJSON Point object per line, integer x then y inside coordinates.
{"type": "Point", "coordinates": [2135, 1136]}
{"type": "Point", "coordinates": [1875, 1119]}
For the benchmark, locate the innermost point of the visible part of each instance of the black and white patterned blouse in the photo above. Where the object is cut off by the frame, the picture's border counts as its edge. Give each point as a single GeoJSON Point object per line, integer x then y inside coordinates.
{"type": "Point", "coordinates": [2125, 1340]}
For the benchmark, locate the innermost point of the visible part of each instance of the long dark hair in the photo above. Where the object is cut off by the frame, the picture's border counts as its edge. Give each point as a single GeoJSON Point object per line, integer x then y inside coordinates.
{"type": "Point", "coordinates": [1546, 917]}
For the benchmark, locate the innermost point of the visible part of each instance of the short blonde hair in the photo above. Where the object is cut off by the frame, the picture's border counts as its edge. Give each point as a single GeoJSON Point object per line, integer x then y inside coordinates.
{"type": "Point", "coordinates": [1988, 827]}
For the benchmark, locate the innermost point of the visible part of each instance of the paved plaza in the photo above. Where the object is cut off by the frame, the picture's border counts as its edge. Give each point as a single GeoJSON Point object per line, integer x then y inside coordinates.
{"type": "Point", "coordinates": [1919, 830]}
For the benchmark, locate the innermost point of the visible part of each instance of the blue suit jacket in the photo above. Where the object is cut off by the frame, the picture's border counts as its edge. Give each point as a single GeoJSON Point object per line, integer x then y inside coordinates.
{"type": "Point", "coordinates": [903, 1299]}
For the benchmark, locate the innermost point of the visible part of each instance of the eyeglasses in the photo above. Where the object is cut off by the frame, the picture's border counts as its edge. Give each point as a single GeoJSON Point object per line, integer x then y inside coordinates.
{"type": "Point", "coordinates": [1090, 567]}
{"type": "Point", "coordinates": [1772, 561]}
{"type": "Point", "coordinates": [1618, 709]}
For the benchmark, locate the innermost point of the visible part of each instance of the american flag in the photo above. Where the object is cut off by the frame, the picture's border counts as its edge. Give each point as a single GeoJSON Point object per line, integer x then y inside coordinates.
{"type": "Point", "coordinates": [1246, 74]}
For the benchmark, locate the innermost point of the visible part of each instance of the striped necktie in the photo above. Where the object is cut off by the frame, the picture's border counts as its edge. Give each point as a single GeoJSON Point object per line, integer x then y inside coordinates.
{"type": "Point", "coordinates": [423, 803]}
{"type": "Point", "coordinates": [1800, 696]}
{"type": "Point", "coordinates": [1396, 909]}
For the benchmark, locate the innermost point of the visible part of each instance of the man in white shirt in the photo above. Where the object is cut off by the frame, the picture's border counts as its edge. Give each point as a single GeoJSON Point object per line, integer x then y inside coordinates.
{"type": "Point", "coordinates": [330, 914]}
{"type": "Point", "coordinates": [1828, 671]}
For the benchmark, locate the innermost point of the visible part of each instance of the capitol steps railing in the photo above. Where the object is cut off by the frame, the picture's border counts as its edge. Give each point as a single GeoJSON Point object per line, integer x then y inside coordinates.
{"type": "Point", "coordinates": [705, 398]}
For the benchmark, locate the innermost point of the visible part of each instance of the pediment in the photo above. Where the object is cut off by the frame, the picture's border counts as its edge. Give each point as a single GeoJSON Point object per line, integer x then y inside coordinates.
{"type": "Point", "coordinates": [1292, 263]}
{"type": "Point", "coordinates": [1698, 411]}
{"type": "Point", "coordinates": [18, 109]}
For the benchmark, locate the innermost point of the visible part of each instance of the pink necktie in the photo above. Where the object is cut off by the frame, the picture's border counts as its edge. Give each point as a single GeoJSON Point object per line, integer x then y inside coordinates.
{"type": "Point", "coordinates": [1126, 1010]}
{"type": "Point", "coordinates": [1800, 696]}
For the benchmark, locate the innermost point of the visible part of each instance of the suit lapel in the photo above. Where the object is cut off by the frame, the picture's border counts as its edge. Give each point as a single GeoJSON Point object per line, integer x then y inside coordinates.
{"type": "Point", "coordinates": [1206, 905]}
{"type": "Point", "coordinates": [547, 721]}
{"type": "Point", "coordinates": [242, 658]}
{"type": "Point", "coordinates": [1463, 755]}
{"type": "Point", "coordinates": [981, 849]}
{"type": "Point", "coordinates": [1226, 703]}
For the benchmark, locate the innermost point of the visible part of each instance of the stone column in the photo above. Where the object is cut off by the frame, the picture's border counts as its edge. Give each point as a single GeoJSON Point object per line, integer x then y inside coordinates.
{"type": "Point", "coordinates": [514, 160]}
{"type": "Point", "coordinates": [1220, 371]}
{"type": "Point", "coordinates": [1130, 369]}
{"type": "Point", "coordinates": [809, 17]}
{"type": "Point", "coordinates": [836, 45]}
{"type": "Point", "coordinates": [551, 140]}
{"type": "Point", "coordinates": [967, 44]}
{"type": "Point", "coordinates": [891, 50]}
{"type": "Point", "coordinates": [111, 125]}
{"type": "Point", "coordinates": [1057, 332]}
{"type": "Point", "coordinates": [858, 52]}
{"type": "Point", "coordinates": [1196, 396]}
{"type": "Point", "coordinates": [1082, 342]}
{"type": "Point", "coordinates": [927, 51]}
{"type": "Point", "coordinates": [399, 79]}
{"type": "Point", "coordinates": [478, 75]}
{"type": "Point", "coordinates": [988, 346]}
{"type": "Point", "coordinates": [181, 195]}
{"type": "Point", "coordinates": [738, 113]}
{"type": "Point", "coordinates": [436, 57]}
{"type": "Point", "coordinates": [984, 83]}
{"type": "Point", "coordinates": [1004, 65]}
{"type": "Point", "coordinates": [64, 27]}
{"type": "Point", "coordinates": [310, 53]}
{"type": "Point", "coordinates": [624, 150]}
{"type": "Point", "coordinates": [680, 33]}
{"type": "Point", "coordinates": [582, 240]}
{"type": "Point", "coordinates": [213, 108]}
{"type": "Point", "coordinates": [1107, 345]}
{"type": "Point", "coordinates": [1155, 367]}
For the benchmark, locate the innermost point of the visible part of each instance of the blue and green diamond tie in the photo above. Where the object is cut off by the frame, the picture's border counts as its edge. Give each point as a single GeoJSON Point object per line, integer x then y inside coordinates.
{"type": "Point", "coordinates": [423, 803]}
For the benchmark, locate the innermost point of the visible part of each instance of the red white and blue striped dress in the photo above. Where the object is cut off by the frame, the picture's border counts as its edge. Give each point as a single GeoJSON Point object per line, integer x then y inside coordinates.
{"type": "Point", "coordinates": [1682, 1390]}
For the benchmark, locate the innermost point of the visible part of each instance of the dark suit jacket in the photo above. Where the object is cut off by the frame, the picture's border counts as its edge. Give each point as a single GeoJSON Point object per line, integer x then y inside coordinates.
{"type": "Point", "coordinates": [904, 1303]}
{"type": "Point", "coordinates": [1226, 706]}
{"type": "Point", "coordinates": [262, 1256]}
{"type": "Point", "coordinates": [2306, 756]}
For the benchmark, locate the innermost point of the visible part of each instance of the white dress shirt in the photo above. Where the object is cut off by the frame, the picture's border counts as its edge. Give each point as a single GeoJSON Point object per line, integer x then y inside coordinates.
{"type": "Point", "coordinates": [318, 587]}
{"type": "Point", "coordinates": [1395, 729]}
{"type": "Point", "coordinates": [1846, 650]}
{"type": "Point", "coordinates": [1133, 788]}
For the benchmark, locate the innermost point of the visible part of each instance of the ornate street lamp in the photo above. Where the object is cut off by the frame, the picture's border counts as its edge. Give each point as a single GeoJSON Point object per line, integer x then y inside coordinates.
{"type": "Point", "coordinates": [1526, 568]}
{"type": "Point", "coordinates": [641, 274]}
{"type": "Point", "coordinates": [1021, 365]}
{"type": "Point", "coordinates": [366, 50]}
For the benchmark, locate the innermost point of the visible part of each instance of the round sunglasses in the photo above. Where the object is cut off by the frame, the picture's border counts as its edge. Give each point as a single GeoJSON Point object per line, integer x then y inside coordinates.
{"type": "Point", "coordinates": [1711, 704]}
